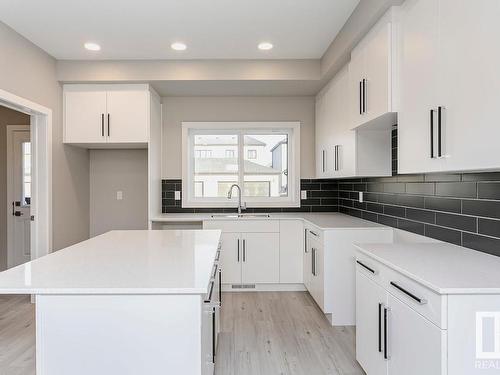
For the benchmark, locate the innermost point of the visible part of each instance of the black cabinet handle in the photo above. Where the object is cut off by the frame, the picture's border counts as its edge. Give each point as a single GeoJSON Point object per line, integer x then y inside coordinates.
{"type": "Point", "coordinates": [366, 267]}
{"type": "Point", "coordinates": [324, 156]}
{"type": "Point", "coordinates": [432, 134]}
{"type": "Point", "coordinates": [108, 124]}
{"type": "Point", "coordinates": [244, 250]}
{"type": "Point", "coordinates": [364, 96]}
{"type": "Point", "coordinates": [220, 286]}
{"type": "Point", "coordinates": [386, 321]}
{"type": "Point", "coordinates": [305, 240]}
{"type": "Point", "coordinates": [360, 97]}
{"type": "Point", "coordinates": [380, 328]}
{"type": "Point", "coordinates": [421, 301]}
{"type": "Point", "coordinates": [238, 250]}
{"type": "Point", "coordinates": [440, 110]}
{"type": "Point", "coordinates": [214, 334]}
{"type": "Point", "coordinates": [313, 233]}
{"type": "Point", "coordinates": [102, 124]}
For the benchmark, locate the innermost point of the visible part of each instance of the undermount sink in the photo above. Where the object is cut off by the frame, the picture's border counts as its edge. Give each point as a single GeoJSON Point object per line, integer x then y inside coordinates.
{"type": "Point", "coordinates": [236, 216]}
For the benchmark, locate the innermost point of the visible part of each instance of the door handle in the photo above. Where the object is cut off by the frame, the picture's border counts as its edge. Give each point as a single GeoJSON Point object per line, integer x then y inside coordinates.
{"type": "Point", "coordinates": [305, 241]}
{"type": "Point", "coordinates": [102, 124]}
{"type": "Point", "coordinates": [238, 254]}
{"type": "Point", "coordinates": [386, 333]}
{"type": "Point", "coordinates": [214, 334]}
{"type": "Point", "coordinates": [380, 328]}
{"type": "Point", "coordinates": [419, 300]}
{"type": "Point", "coordinates": [324, 156]}
{"type": "Point", "coordinates": [432, 133]}
{"type": "Point", "coordinates": [313, 261]}
{"type": "Point", "coordinates": [440, 140]}
{"type": "Point", "coordinates": [365, 104]}
{"type": "Point", "coordinates": [244, 250]}
{"type": "Point", "coordinates": [108, 125]}
{"type": "Point", "coordinates": [360, 97]}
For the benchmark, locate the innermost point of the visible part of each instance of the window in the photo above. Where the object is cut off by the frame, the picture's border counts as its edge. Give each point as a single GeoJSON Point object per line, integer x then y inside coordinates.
{"type": "Point", "coordinates": [262, 158]}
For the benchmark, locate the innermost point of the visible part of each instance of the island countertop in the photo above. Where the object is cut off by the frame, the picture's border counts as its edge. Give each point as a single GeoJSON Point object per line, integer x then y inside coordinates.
{"type": "Point", "coordinates": [121, 262]}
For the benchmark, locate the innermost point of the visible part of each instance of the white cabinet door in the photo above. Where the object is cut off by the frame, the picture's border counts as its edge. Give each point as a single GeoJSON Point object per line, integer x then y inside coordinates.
{"type": "Point", "coordinates": [260, 257]}
{"type": "Point", "coordinates": [469, 83]}
{"type": "Point", "coordinates": [128, 112]}
{"type": "Point", "coordinates": [291, 249]}
{"type": "Point", "coordinates": [307, 266]}
{"type": "Point", "coordinates": [370, 302]}
{"type": "Point", "coordinates": [378, 67]}
{"type": "Point", "coordinates": [357, 72]}
{"type": "Point", "coordinates": [230, 258]}
{"type": "Point", "coordinates": [207, 365]}
{"type": "Point", "coordinates": [84, 116]}
{"type": "Point", "coordinates": [415, 345]}
{"type": "Point", "coordinates": [419, 49]}
{"type": "Point", "coordinates": [317, 289]}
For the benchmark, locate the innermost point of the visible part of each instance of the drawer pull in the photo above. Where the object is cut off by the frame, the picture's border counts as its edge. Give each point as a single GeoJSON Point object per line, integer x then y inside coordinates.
{"type": "Point", "coordinates": [420, 301]}
{"type": "Point", "coordinates": [380, 328]}
{"type": "Point", "coordinates": [209, 296]}
{"type": "Point", "coordinates": [366, 267]}
{"type": "Point", "coordinates": [314, 233]}
{"type": "Point", "coordinates": [386, 334]}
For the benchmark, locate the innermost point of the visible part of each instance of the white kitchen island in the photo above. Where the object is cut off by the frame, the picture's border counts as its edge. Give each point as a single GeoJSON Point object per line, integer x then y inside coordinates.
{"type": "Point", "coordinates": [125, 302]}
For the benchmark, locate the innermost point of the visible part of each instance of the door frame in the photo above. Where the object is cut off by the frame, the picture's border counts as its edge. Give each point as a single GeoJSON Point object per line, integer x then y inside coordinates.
{"type": "Point", "coordinates": [10, 161]}
{"type": "Point", "coordinates": [41, 170]}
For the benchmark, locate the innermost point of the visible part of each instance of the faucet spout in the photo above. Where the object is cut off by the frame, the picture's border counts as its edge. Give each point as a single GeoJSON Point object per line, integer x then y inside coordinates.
{"type": "Point", "coordinates": [230, 194]}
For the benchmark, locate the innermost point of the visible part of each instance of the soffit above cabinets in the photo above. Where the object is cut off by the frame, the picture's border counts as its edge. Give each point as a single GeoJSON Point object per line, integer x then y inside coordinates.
{"type": "Point", "coordinates": [217, 29]}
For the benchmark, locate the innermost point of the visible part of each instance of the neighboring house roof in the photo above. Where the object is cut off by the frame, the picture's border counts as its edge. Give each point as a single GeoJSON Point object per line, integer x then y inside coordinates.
{"type": "Point", "coordinates": [220, 166]}
{"type": "Point", "coordinates": [283, 142]}
{"type": "Point", "coordinates": [200, 140]}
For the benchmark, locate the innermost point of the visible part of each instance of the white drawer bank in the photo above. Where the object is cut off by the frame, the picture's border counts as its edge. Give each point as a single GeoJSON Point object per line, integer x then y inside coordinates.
{"type": "Point", "coordinates": [430, 309]}
{"type": "Point", "coordinates": [292, 251]}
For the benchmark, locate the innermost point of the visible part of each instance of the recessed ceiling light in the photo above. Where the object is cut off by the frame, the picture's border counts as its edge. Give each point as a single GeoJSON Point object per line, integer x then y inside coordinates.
{"type": "Point", "coordinates": [178, 46]}
{"type": "Point", "coordinates": [92, 46]}
{"type": "Point", "coordinates": [265, 46]}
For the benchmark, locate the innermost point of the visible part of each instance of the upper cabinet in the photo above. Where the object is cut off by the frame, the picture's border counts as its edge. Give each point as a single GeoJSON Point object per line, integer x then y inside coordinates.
{"type": "Point", "coordinates": [449, 85]}
{"type": "Point", "coordinates": [341, 151]}
{"type": "Point", "coordinates": [373, 76]}
{"type": "Point", "coordinates": [107, 115]}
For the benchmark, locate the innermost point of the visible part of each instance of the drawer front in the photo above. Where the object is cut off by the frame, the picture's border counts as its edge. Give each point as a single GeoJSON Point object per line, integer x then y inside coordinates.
{"type": "Point", "coordinates": [421, 299]}
{"type": "Point", "coordinates": [243, 226]}
{"type": "Point", "coordinates": [314, 234]}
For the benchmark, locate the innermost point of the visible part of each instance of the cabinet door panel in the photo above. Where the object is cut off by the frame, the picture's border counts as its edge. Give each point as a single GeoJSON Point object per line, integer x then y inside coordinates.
{"type": "Point", "coordinates": [418, 83]}
{"type": "Point", "coordinates": [291, 250]}
{"type": "Point", "coordinates": [416, 346]}
{"type": "Point", "coordinates": [357, 72]}
{"type": "Point", "coordinates": [128, 116]}
{"type": "Point", "coordinates": [83, 118]}
{"type": "Point", "coordinates": [469, 83]}
{"type": "Point", "coordinates": [369, 325]}
{"type": "Point", "coordinates": [230, 258]}
{"type": "Point", "coordinates": [260, 258]}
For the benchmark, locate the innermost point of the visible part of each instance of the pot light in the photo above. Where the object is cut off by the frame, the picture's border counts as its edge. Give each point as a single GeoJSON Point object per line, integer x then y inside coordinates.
{"type": "Point", "coordinates": [92, 46]}
{"type": "Point", "coordinates": [178, 46]}
{"type": "Point", "coordinates": [265, 46]}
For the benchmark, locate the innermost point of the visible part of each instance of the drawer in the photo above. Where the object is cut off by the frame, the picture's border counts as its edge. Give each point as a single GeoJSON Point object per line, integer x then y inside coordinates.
{"type": "Point", "coordinates": [431, 305]}
{"type": "Point", "coordinates": [243, 226]}
{"type": "Point", "coordinates": [314, 234]}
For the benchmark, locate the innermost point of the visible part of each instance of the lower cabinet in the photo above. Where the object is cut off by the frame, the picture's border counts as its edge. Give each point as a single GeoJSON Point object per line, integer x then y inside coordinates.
{"type": "Point", "coordinates": [392, 338]}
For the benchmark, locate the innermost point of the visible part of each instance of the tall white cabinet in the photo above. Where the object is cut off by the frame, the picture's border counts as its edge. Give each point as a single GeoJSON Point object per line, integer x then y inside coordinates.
{"type": "Point", "coordinates": [449, 84]}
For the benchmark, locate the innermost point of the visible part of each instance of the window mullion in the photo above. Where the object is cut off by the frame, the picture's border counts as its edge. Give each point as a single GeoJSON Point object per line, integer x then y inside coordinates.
{"type": "Point", "coordinates": [241, 158]}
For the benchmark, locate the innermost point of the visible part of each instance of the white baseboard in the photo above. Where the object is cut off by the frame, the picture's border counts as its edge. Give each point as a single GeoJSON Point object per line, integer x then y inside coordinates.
{"type": "Point", "coordinates": [264, 288]}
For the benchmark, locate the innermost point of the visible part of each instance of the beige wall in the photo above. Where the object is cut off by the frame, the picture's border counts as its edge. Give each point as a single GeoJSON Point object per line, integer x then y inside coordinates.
{"type": "Point", "coordinates": [178, 109]}
{"type": "Point", "coordinates": [112, 171]}
{"type": "Point", "coordinates": [27, 71]}
{"type": "Point", "coordinates": [7, 117]}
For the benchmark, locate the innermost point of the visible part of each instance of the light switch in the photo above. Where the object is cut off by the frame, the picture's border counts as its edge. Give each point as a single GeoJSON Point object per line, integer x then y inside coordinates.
{"type": "Point", "coordinates": [119, 195]}
{"type": "Point", "coordinates": [303, 194]}
{"type": "Point", "coordinates": [177, 195]}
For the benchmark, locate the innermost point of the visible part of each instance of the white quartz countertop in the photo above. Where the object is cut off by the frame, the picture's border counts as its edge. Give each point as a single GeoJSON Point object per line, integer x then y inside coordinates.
{"type": "Point", "coordinates": [325, 221]}
{"type": "Point", "coordinates": [121, 262]}
{"type": "Point", "coordinates": [442, 267]}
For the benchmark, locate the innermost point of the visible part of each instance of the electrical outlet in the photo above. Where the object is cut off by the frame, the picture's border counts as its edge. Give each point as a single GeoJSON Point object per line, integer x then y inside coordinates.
{"type": "Point", "coordinates": [177, 195]}
{"type": "Point", "coordinates": [119, 195]}
{"type": "Point", "coordinates": [361, 197]}
{"type": "Point", "coordinates": [303, 194]}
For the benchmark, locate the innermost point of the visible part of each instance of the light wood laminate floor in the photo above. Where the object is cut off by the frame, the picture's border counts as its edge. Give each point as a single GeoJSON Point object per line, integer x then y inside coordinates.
{"type": "Point", "coordinates": [267, 333]}
{"type": "Point", "coordinates": [263, 333]}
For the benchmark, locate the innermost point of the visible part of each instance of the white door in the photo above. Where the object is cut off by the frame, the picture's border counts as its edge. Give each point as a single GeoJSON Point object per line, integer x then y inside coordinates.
{"type": "Point", "coordinates": [317, 289]}
{"type": "Point", "coordinates": [419, 51]}
{"type": "Point", "coordinates": [19, 196]}
{"type": "Point", "coordinates": [84, 116]}
{"type": "Point", "coordinates": [415, 345]}
{"type": "Point", "coordinates": [371, 300]}
{"type": "Point", "coordinates": [469, 83]}
{"type": "Point", "coordinates": [127, 116]}
{"type": "Point", "coordinates": [261, 258]}
{"type": "Point", "coordinates": [231, 257]}
{"type": "Point", "coordinates": [357, 72]}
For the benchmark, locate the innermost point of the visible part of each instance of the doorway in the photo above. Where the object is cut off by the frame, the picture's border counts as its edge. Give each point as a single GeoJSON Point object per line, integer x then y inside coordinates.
{"type": "Point", "coordinates": [18, 194]}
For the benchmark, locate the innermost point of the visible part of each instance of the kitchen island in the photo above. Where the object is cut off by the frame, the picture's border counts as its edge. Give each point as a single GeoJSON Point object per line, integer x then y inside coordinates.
{"type": "Point", "coordinates": [125, 302]}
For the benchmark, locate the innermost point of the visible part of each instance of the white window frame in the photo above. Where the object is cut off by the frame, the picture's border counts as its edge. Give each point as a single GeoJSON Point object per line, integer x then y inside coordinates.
{"type": "Point", "coordinates": [292, 129]}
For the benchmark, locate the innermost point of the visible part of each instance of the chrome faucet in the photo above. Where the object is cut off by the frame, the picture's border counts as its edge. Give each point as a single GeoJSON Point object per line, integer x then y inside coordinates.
{"type": "Point", "coordinates": [230, 194]}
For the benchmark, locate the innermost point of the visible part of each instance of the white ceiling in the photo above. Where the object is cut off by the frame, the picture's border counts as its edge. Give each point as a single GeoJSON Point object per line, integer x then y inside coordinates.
{"type": "Point", "coordinates": [212, 29]}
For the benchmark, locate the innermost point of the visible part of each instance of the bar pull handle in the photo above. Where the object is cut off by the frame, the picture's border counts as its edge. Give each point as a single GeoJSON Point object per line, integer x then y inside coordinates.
{"type": "Point", "coordinates": [364, 96]}
{"type": "Point", "coordinates": [360, 97]}
{"type": "Point", "coordinates": [238, 254]}
{"type": "Point", "coordinates": [214, 335]}
{"type": "Point", "coordinates": [102, 124]}
{"type": "Point", "coordinates": [380, 327]}
{"type": "Point", "coordinates": [386, 333]}
{"type": "Point", "coordinates": [313, 233]}
{"type": "Point", "coordinates": [324, 156]}
{"type": "Point", "coordinates": [314, 253]}
{"type": "Point", "coordinates": [244, 250]}
{"type": "Point", "coordinates": [419, 300]}
{"type": "Point", "coordinates": [432, 133]}
{"type": "Point", "coordinates": [305, 241]}
{"type": "Point", "coordinates": [366, 267]}
{"type": "Point", "coordinates": [108, 125]}
{"type": "Point", "coordinates": [440, 140]}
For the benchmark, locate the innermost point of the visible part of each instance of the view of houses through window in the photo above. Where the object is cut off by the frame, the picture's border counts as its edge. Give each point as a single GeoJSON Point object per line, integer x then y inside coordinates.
{"type": "Point", "coordinates": [261, 170]}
